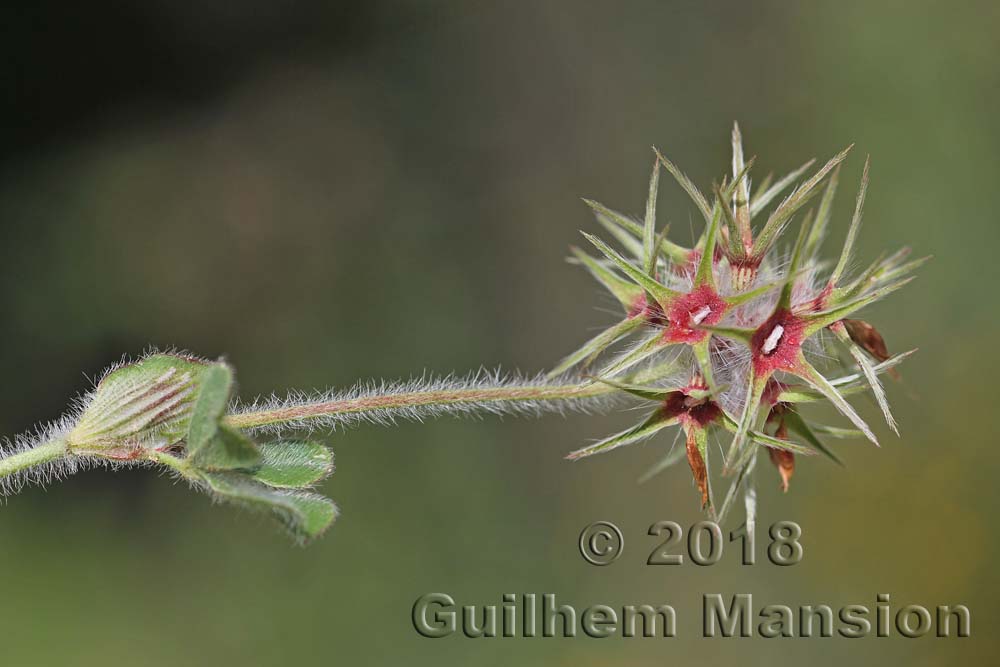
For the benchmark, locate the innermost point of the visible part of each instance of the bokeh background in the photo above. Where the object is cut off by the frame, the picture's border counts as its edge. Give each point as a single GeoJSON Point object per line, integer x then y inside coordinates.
{"type": "Point", "coordinates": [332, 192]}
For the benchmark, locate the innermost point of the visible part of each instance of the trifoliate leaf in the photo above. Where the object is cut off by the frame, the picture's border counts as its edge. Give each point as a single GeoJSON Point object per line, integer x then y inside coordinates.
{"type": "Point", "coordinates": [304, 515]}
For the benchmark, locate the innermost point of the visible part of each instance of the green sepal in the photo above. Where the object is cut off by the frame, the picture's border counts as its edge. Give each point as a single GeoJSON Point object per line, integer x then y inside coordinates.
{"type": "Point", "coordinates": [636, 355]}
{"type": "Point", "coordinates": [807, 372]}
{"type": "Point", "coordinates": [840, 310]}
{"type": "Point", "coordinates": [593, 347]}
{"type": "Point", "coordinates": [868, 369]}
{"type": "Point", "coordinates": [852, 231]}
{"type": "Point", "coordinates": [765, 195]}
{"type": "Point", "coordinates": [748, 419]}
{"type": "Point", "coordinates": [736, 333]}
{"type": "Point", "coordinates": [625, 230]}
{"type": "Point", "coordinates": [704, 275]}
{"type": "Point", "coordinates": [734, 300]}
{"type": "Point", "coordinates": [629, 232]}
{"type": "Point", "coordinates": [741, 481]}
{"type": "Point", "coordinates": [836, 431]}
{"type": "Point", "coordinates": [688, 186]}
{"type": "Point", "coordinates": [880, 273]}
{"type": "Point", "coordinates": [640, 391]}
{"type": "Point", "coordinates": [739, 229]}
{"type": "Point", "coordinates": [769, 232]}
{"type": "Point", "coordinates": [761, 438]}
{"type": "Point", "coordinates": [660, 293]}
{"type": "Point", "coordinates": [741, 185]}
{"type": "Point", "coordinates": [703, 357]}
{"type": "Point", "coordinates": [823, 215]}
{"type": "Point", "coordinates": [649, 240]}
{"type": "Point", "coordinates": [649, 427]}
{"type": "Point", "coordinates": [673, 457]}
{"type": "Point", "coordinates": [626, 292]}
{"type": "Point", "coordinates": [762, 187]}
{"type": "Point", "coordinates": [794, 265]}
{"type": "Point", "coordinates": [654, 372]}
{"type": "Point", "coordinates": [798, 425]}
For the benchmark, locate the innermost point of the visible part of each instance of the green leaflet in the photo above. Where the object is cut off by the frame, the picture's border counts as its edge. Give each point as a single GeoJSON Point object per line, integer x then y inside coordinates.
{"type": "Point", "coordinates": [211, 445]}
{"type": "Point", "coordinates": [216, 386]}
{"type": "Point", "coordinates": [305, 515]}
{"type": "Point", "coordinates": [229, 449]}
{"type": "Point", "coordinates": [292, 464]}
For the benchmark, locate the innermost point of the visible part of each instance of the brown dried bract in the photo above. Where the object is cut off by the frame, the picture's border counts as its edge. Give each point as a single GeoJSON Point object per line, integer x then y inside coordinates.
{"type": "Point", "coordinates": [870, 340]}
{"type": "Point", "coordinates": [697, 464]}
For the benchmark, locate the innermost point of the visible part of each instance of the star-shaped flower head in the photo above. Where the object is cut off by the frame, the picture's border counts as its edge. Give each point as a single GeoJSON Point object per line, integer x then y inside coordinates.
{"type": "Point", "coordinates": [748, 318]}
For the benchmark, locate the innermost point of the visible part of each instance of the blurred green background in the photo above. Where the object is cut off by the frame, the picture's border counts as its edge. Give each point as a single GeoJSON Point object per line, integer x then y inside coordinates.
{"type": "Point", "coordinates": [343, 191]}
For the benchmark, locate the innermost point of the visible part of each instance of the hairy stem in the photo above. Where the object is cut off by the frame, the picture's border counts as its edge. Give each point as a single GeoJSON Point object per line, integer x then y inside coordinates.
{"type": "Point", "coordinates": [475, 396]}
{"type": "Point", "coordinates": [43, 453]}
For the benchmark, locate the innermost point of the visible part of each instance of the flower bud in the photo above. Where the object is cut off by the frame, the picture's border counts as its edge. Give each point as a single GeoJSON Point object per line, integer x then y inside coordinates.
{"type": "Point", "coordinates": [138, 408]}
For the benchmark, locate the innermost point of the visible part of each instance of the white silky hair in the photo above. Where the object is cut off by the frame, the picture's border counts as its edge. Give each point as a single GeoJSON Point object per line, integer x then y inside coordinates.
{"type": "Point", "coordinates": [58, 469]}
{"type": "Point", "coordinates": [482, 379]}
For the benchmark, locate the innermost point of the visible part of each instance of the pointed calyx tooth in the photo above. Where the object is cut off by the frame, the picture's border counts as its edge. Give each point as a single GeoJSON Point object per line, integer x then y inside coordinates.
{"type": "Point", "coordinates": [773, 338]}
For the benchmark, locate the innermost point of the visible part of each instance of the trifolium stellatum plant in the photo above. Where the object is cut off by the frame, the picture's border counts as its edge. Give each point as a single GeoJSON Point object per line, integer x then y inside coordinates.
{"type": "Point", "coordinates": [726, 342]}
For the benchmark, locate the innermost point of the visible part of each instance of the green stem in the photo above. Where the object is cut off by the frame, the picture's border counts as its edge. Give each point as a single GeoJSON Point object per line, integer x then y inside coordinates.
{"type": "Point", "coordinates": [43, 453]}
{"type": "Point", "coordinates": [179, 464]}
{"type": "Point", "coordinates": [442, 397]}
